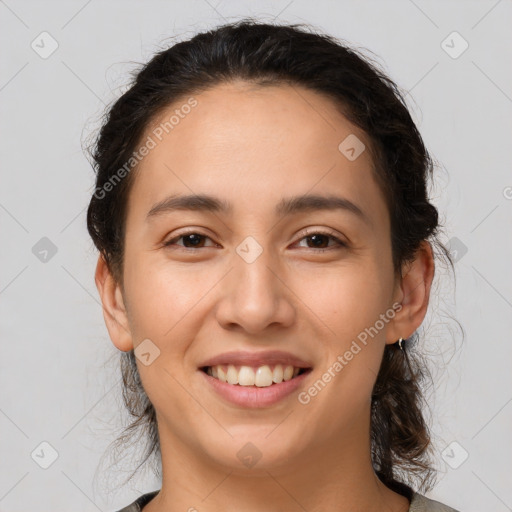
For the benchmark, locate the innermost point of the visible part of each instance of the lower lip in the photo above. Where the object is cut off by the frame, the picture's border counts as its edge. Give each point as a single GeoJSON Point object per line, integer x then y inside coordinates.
{"type": "Point", "coordinates": [254, 397]}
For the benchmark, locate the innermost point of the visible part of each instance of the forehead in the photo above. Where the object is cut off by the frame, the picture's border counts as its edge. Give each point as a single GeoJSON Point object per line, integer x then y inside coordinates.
{"type": "Point", "coordinates": [252, 144]}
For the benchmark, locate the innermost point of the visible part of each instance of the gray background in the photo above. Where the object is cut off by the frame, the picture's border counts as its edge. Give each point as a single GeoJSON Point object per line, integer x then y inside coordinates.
{"type": "Point", "coordinates": [59, 383]}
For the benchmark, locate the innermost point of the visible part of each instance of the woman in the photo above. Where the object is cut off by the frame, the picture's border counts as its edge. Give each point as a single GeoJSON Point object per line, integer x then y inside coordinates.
{"type": "Point", "coordinates": [266, 257]}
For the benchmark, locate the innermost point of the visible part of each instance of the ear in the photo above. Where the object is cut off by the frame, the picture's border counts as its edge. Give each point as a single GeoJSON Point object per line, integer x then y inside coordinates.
{"type": "Point", "coordinates": [114, 311]}
{"type": "Point", "coordinates": [413, 293]}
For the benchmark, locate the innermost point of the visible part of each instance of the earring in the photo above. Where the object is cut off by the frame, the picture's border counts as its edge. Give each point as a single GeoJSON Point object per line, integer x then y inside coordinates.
{"type": "Point", "coordinates": [400, 343]}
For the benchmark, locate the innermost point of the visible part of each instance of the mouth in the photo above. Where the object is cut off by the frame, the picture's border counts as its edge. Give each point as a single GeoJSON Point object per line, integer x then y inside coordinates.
{"type": "Point", "coordinates": [254, 376]}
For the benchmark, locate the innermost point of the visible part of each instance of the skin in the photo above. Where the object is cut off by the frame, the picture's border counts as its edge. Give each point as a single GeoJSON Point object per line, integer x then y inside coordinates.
{"type": "Point", "coordinates": [252, 146]}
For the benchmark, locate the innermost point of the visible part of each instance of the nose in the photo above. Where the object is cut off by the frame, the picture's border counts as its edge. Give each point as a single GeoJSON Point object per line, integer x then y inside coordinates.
{"type": "Point", "coordinates": [256, 297]}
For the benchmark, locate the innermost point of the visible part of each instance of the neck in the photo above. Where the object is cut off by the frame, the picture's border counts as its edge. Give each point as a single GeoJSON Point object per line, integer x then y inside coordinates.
{"type": "Point", "coordinates": [334, 476]}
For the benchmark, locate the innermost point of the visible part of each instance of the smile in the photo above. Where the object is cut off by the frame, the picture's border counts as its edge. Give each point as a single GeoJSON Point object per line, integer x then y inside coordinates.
{"type": "Point", "coordinates": [261, 376]}
{"type": "Point", "coordinates": [251, 395]}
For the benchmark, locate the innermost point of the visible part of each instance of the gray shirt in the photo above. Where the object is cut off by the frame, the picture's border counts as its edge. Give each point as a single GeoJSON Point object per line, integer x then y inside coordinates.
{"type": "Point", "coordinates": [419, 503]}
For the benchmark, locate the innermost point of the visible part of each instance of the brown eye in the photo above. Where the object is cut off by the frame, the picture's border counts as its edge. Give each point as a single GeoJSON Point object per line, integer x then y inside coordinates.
{"type": "Point", "coordinates": [191, 240]}
{"type": "Point", "coordinates": [320, 239]}
{"type": "Point", "coordinates": [317, 241]}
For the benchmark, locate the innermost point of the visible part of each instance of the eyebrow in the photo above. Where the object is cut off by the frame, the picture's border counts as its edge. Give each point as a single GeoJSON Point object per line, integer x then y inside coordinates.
{"type": "Point", "coordinates": [287, 206]}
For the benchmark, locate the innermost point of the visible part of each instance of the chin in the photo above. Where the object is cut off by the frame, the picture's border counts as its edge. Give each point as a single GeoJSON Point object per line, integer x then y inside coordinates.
{"type": "Point", "coordinates": [251, 450]}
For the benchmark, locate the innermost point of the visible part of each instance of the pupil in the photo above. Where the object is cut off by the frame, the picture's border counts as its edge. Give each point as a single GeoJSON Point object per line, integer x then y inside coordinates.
{"type": "Point", "coordinates": [313, 237]}
{"type": "Point", "coordinates": [197, 239]}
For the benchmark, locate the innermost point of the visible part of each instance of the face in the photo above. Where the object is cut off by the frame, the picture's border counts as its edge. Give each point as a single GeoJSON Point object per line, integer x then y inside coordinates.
{"type": "Point", "coordinates": [311, 281]}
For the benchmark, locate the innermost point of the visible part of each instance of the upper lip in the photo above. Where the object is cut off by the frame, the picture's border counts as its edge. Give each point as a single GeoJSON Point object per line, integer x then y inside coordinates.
{"type": "Point", "coordinates": [245, 358]}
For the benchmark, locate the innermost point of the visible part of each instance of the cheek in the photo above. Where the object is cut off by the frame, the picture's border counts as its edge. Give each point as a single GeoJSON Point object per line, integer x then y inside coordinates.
{"type": "Point", "coordinates": [162, 294]}
{"type": "Point", "coordinates": [354, 304]}
{"type": "Point", "coordinates": [350, 303]}
{"type": "Point", "coordinates": [347, 299]}
{"type": "Point", "coordinates": [164, 306]}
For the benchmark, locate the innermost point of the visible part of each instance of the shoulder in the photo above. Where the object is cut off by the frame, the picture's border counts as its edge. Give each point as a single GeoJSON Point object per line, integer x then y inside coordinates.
{"type": "Point", "coordinates": [137, 505]}
{"type": "Point", "coordinates": [420, 503]}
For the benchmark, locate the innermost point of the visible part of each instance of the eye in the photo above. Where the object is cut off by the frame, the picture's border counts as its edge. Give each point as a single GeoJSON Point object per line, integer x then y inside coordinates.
{"type": "Point", "coordinates": [318, 239]}
{"type": "Point", "coordinates": [193, 238]}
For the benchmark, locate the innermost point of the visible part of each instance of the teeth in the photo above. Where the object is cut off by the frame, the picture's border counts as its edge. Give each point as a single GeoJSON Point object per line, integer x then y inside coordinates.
{"type": "Point", "coordinates": [232, 375]}
{"type": "Point", "coordinates": [263, 376]}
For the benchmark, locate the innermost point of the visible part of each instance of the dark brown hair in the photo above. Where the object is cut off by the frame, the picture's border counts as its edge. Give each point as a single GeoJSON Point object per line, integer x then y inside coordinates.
{"type": "Point", "coordinates": [270, 54]}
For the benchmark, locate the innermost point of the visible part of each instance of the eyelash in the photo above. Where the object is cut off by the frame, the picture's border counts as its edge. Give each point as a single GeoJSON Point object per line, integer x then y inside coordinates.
{"type": "Point", "coordinates": [308, 234]}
